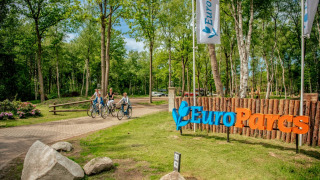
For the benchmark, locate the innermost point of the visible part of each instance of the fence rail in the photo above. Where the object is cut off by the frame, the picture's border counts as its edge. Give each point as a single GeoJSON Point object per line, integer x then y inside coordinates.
{"type": "Point", "coordinates": [67, 110]}
{"type": "Point", "coordinates": [265, 106]}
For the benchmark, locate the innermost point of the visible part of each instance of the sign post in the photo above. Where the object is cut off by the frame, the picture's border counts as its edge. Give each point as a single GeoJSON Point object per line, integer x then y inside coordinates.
{"type": "Point", "coordinates": [176, 161]}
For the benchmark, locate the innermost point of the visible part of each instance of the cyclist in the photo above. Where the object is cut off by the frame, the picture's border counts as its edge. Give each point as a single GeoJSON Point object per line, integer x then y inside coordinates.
{"type": "Point", "coordinates": [110, 97]}
{"type": "Point", "coordinates": [95, 95]}
{"type": "Point", "coordinates": [98, 100]}
{"type": "Point", "coordinates": [125, 102]}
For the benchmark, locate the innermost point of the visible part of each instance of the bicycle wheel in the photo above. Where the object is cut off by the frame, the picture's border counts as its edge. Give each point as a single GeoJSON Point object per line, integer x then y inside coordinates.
{"type": "Point", "coordinates": [129, 112]}
{"type": "Point", "coordinates": [103, 112]}
{"type": "Point", "coordinates": [93, 113]}
{"type": "Point", "coordinates": [113, 111]}
{"type": "Point", "coordinates": [120, 115]}
{"type": "Point", "coordinates": [89, 110]}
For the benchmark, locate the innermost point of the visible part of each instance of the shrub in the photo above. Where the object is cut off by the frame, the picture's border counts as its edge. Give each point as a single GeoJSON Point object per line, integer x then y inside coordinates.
{"type": "Point", "coordinates": [22, 109]}
{"type": "Point", "coordinates": [6, 115]}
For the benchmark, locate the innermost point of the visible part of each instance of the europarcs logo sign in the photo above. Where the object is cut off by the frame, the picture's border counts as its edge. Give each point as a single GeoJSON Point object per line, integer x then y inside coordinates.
{"type": "Point", "coordinates": [256, 121]}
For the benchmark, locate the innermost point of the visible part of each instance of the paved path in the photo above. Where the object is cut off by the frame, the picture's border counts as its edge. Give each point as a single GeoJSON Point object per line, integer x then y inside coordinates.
{"type": "Point", "coordinates": [17, 140]}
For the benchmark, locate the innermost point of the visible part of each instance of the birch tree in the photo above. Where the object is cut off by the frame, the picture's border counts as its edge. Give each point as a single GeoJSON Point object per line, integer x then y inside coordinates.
{"type": "Point", "coordinates": [243, 41]}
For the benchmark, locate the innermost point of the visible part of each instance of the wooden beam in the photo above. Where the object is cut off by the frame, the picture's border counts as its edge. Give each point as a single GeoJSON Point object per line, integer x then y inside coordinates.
{"type": "Point", "coordinates": [68, 110]}
{"type": "Point", "coordinates": [77, 102]}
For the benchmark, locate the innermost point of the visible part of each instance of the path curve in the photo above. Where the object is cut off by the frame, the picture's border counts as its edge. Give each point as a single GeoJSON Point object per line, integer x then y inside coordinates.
{"type": "Point", "coordinates": [17, 140]}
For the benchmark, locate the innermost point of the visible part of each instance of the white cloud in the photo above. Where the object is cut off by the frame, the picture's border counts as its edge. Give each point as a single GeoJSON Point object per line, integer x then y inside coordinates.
{"type": "Point", "coordinates": [132, 44]}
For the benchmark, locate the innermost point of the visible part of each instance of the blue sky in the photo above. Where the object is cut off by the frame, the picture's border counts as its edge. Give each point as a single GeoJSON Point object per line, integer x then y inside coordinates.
{"type": "Point", "coordinates": [131, 43]}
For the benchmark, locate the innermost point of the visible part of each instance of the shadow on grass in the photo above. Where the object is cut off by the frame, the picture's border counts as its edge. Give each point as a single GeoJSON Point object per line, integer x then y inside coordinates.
{"type": "Point", "coordinates": [310, 153]}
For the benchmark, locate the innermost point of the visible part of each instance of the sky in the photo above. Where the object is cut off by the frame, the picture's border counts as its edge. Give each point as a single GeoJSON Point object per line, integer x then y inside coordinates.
{"type": "Point", "coordinates": [131, 43]}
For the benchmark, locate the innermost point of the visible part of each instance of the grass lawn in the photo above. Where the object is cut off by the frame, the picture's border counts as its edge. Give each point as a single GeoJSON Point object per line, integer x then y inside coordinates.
{"type": "Point", "coordinates": [154, 103]}
{"type": "Point", "coordinates": [152, 140]}
{"type": "Point", "coordinates": [48, 116]}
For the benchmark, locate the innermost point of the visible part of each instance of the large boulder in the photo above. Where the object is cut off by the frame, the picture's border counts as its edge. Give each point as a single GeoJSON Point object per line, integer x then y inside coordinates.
{"type": "Point", "coordinates": [62, 146]}
{"type": "Point", "coordinates": [172, 176]}
{"type": "Point", "coordinates": [45, 163]}
{"type": "Point", "coordinates": [97, 165]}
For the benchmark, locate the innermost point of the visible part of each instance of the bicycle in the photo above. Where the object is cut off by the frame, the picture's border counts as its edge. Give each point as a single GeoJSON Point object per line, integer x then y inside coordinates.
{"type": "Point", "coordinates": [123, 113]}
{"type": "Point", "coordinates": [100, 111]}
{"type": "Point", "coordinates": [90, 108]}
{"type": "Point", "coordinates": [111, 110]}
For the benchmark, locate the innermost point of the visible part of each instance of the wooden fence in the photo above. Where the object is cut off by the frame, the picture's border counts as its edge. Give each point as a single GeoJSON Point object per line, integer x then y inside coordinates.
{"type": "Point", "coordinates": [265, 106]}
{"type": "Point", "coordinates": [66, 104]}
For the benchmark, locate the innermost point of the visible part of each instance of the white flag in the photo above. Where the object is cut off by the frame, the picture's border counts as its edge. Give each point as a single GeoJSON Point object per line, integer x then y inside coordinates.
{"type": "Point", "coordinates": [310, 11]}
{"type": "Point", "coordinates": [208, 22]}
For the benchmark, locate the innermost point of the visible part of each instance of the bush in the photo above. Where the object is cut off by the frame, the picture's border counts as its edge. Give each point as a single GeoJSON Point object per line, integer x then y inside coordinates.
{"type": "Point", "coordinates": [22, 109]}
{"type": "Point", "coordinates": [6, 115]}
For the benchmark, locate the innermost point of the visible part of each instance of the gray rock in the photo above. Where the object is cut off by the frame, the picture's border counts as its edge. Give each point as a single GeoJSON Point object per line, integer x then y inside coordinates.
{"type": "Point", "coordinates": [45, 163]}
{"type": "Point", "coordinates": [172, 176]}
{"type": "Point", "coordinates": [62, 146]}
{"type": "Point", "coordinates": [97, 165]}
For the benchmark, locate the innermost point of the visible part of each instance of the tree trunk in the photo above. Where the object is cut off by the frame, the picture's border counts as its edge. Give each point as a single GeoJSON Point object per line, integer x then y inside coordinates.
{"type": "Point", "coordinates": [188, 84]}
{"type": "Point", "coordinates": [227, 71]}
{"type": "Point", "coordinates": [103, 52]}
{"type": "Point", "coordinates": [183, 76]}
{"type": "Point", "coordinates": [57, 66]}
{"type": "Point", "coordinates": [243, 45]}
{"type": "Point", "coordinates": [42, 96]}
{"type": "Point", "coordinates": [169, 63]}
{"type": "Point", "coordinates": [108, 50]}
{"type": "Point", "coordinates": [283, 74]}
{"type": "Point", "coordinates": [150, 73]}
{"type": "Point", "coordinates": [82, 86]}
{"type": "Point", "coordinates": [268, 77]}
{"type": "Point", "coordinates": [87, 75]}
{"type": "Point", "coordinates": [214, 67]}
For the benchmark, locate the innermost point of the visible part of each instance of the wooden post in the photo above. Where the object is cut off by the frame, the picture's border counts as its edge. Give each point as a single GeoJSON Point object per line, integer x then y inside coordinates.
{"type": "Point", "coordinates": [280, 112]}
{"type": "Point", "coordinates": [275, 125]}
{"type": "Point", "coordinates": [312, 120]}
{"type": "Point", "coordinates": [316, 125]}
{"type": "Point", "coordinates": [270, 109]}
{"type": "Point", "coordinates": [54, 108]}
{"type": "Point", "coordinates": [291, 112]}
{"type": "Point", "coordinates": [295, 113]}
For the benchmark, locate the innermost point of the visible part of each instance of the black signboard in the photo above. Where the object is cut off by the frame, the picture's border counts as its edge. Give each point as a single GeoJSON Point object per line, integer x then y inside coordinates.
{"type": "Point", "coordinates": [176, 162]}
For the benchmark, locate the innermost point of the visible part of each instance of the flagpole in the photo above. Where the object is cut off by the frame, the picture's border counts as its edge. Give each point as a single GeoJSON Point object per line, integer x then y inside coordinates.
{"type": "Point", "coordinates": [194, 63]}
{"type": "Point", "coordinates": [302, 68]}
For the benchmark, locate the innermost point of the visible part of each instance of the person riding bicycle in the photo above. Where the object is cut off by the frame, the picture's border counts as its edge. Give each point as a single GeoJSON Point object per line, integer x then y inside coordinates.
{"type": "Point", "coordinates": [125, 102]}
{"type": "Point", "coordinates": [98, 100]}
{"type": "Point", "coordinates": [110, 97]}
{"type": "Point", "coordinates": [95, 95]}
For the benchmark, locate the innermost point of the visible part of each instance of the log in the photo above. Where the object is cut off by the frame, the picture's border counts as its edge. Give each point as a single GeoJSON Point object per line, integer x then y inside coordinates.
{"type": "Point", "coordinates": [275, 111]}
{"type": "Point", "coordinates": [245, 105]}
{"type": "Point", "coordinates": [233, 107]}
{"type": "Point", "coordinates": [280, 112]}
{"type": "Point", "coordinates": [253, 110]}
{"type": "Point", "coordinates": [270, 111]}
{"type": "Point", "coordinates": [65, 104]}
{"type": "Point", "coordinates": [265, 111]}
{"type": "Point", "coordinates": [316, 125]}
{"type": "Point", "coordinates": [237, 102]}
{"type": "Point", "coordinates": [211, 109]}
{"type": "Point", "coordinates": [217, 109]}
{"type": "Point", "coordinates": [295, 113]}
{"type": "Point", "coordinates": [312, 121]}
{"type": "Point", "coordinates": [291, 112]}
{"type": "Point", "coordinates": [258, 102]}
{"type": "Point", "coordinates": [199, 126]}
{"type": "Point", "coordinates": [307, 113]}
{"type": "Point", "coordinates": [68, 110]}
{"type": "Point", "coordinates": [285, 111]}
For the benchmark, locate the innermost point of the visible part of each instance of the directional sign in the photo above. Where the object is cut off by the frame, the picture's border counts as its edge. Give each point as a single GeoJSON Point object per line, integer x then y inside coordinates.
{"type": "Point", "coordinates": [176, 161]}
